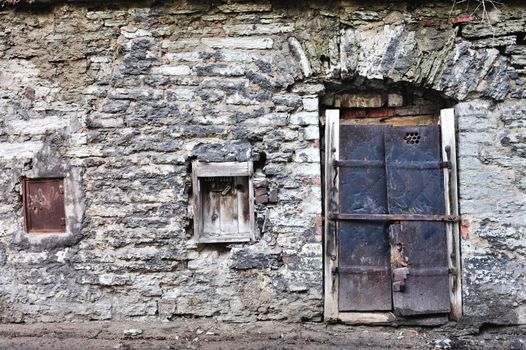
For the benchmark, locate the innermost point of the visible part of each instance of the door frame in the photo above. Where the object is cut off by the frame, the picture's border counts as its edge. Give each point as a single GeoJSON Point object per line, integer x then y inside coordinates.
{"type": "Point", "coordinates": [331, 229]}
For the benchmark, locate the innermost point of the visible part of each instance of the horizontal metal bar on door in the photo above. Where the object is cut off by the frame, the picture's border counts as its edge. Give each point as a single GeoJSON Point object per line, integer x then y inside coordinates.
{"type": "Point", "coordinates": [414, 271]}
{"type": "Point", "coordinates": [359, 163]}
{"type": "Point", "coordinates": [394, 217]}
{"type": "Point", "coordinates": [419, 165]}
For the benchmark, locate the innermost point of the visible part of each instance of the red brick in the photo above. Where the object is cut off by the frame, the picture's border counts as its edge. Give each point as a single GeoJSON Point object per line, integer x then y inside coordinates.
{"type": "Point", "coordinates": [262, 191]}
{"type": "Point", "coordinates": [428, 23]}
{"type": "Point", "coordinates": [462, 19]}
{"type": "Point", "coordinates": [262, 199]}
{"type": "Point", "coordinates": [319, 230]}
{"type": "Point", "coordinates": [464, 229]}
{"type": "Point", "coordinates": [369, 113]}
{"type": "Point", "coordinates": [290, 261]}
{"type": "Point", "coordinates": [261, 183]}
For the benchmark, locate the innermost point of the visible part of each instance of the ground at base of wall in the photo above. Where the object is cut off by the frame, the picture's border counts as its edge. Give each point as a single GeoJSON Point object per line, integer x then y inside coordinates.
{"type": "Point", "coordinates": [209, 334]}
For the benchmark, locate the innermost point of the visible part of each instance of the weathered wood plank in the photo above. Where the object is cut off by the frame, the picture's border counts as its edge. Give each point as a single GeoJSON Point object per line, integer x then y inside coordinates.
{"type": "Point", "coordinates": [211, 209]}
{"type": "Point", "coordinates": [447, 126]}
{"type": "Point", "coordinates": [394, 121]}
{"type": "Point", "coordinates": [356, 318]}
{"type": "Point", "coordinates": [394, 217]}
{"type": "Point", "coordinates": [242, 209]}
{"type": "Point", "coordinates": [228, 216]}
{"type": "Point", "coordinates": [223, 204]}
{"type": "Point", "coordinates": [223, 169]}
{"type": "Point", "coordinates": [196, 202]}
{"type": "Point", "coordinates": [332, 118]}
{"type": "Point", "coordinates": [252, 234]}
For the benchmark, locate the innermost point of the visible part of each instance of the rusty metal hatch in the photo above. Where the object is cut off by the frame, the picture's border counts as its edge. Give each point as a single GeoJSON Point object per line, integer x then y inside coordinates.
{"type": "Point", "coordinates": [44, 209]}
{"type": "Point", "coordinates": [392, 244]}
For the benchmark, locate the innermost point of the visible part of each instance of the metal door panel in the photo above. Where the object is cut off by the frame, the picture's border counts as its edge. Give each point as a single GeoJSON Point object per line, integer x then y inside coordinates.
{"type": "Point", "coordinates": [363, 247]}
{"type": "Point", "coordinates": [44, 205]}
{"type": "Point", "coordinates": [364, 271]}
{"type": "Point", "coordinates": [418, 249]}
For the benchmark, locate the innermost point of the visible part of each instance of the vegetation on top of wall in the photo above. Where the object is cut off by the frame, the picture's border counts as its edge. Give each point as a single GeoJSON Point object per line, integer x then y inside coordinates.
{"type": "Point", "coordinates": [14, 2]}
{"type": "Point", "coordinates": [482, 6]}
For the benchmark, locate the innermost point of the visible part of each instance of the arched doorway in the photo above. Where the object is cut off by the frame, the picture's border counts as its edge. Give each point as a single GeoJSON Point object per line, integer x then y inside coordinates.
{"type": "Point", "coordinates": [391, 212]}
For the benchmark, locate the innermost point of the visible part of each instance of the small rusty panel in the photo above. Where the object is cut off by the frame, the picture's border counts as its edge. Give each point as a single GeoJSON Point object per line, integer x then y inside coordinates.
{"type": "Point", "coordinates": [363, 190]}
{"type": "Point", "coordinates": [243, 200]}
{"type": "Point", "coordinates": [417, 245]}
{"type": "Point", "coordinates": [44, 205]}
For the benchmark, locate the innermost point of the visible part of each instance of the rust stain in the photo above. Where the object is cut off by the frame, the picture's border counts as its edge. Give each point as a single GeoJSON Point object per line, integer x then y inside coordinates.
{"type": "Point", "coordinates": [43, 201]}
{"type": "Point", "coordinates": [398, 258]}
{"type": "Point", "coordinates": [464, 229]}
{"type": "Point", "coordinates": [319, 228]}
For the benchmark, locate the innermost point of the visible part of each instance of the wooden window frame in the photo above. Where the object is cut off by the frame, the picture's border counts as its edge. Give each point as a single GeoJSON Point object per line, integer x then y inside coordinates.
{"type": "Point", "coordinates": [223, 169]}
{"type": "Point", "coordinates": [330, 248]}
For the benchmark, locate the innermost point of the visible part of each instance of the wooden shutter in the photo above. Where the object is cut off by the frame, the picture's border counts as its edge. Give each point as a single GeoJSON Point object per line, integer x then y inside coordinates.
{"type": "Point", "coordinates": [223, 202]}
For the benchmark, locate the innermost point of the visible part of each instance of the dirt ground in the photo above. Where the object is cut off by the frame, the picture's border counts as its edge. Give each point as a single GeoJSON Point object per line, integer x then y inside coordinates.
{"type": "Point", "coordinates": [214, 335]}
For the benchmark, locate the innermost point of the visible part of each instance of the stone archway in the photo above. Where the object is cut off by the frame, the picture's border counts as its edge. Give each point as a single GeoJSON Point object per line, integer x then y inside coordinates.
{"type": "Point", "coordinates": [363, 121]}
{"type": "Point", "coordinates": [480, 79]}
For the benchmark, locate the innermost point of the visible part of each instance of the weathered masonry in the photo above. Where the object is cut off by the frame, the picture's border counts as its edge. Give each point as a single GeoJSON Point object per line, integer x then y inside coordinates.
{"type": "Point", "coordinates": [345, 160]}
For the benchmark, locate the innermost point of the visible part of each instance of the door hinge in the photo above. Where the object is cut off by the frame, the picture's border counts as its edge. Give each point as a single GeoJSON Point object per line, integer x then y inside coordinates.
{"type": "Point", "coordinates": [446, 164]}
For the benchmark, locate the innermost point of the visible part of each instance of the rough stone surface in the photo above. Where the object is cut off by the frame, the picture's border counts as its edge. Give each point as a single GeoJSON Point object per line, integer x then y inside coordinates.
{"type": "Point", "coordinates": [122, 98]}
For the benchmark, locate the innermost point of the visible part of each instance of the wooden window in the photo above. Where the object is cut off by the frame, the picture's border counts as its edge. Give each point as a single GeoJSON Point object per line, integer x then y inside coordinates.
{"type": "Point", "coordinates": [392, 249]}
{"type": "Point", "coordinates": [44, 210]}
{"type": "Point", "coordinates": [223, 202]}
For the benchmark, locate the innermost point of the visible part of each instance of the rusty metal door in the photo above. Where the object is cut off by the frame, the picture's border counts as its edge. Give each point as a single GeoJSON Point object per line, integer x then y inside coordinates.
{"type": "Point", "coordinates": [419, 248]}
{"type": "Point", "coordinates": [363, 253]}
{"type": "Point", "coordinates": [392, 245]}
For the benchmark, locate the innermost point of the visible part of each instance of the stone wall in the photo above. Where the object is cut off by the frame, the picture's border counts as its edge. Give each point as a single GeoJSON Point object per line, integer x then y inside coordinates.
{"type": "Point", "coordinates": [122, 97]}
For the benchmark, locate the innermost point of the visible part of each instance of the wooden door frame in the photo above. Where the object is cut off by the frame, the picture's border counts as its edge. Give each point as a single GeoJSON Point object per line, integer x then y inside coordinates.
{"type": "Point", "coordinates": [331, 229]}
